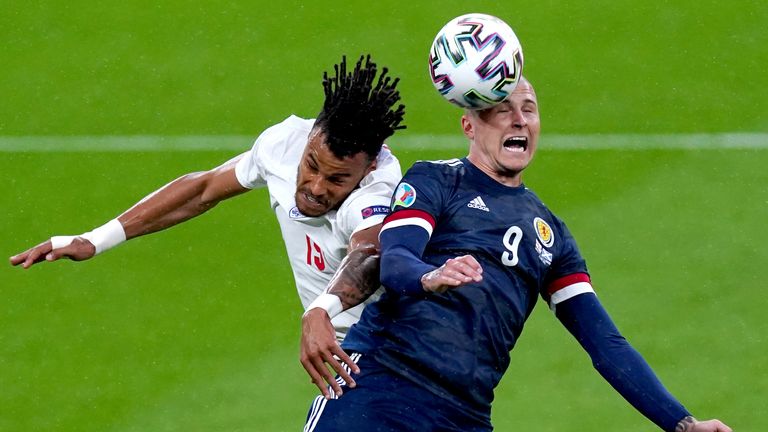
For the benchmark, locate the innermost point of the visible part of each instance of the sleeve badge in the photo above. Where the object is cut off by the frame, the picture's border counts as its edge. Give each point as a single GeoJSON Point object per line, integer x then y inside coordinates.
{"type": "Point", "coordinates": [544, 232]}
{"type": "Point", "coordinates": [405, 196]}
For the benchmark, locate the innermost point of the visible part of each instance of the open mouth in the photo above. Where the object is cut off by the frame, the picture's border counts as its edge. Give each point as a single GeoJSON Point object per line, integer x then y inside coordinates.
{"type": "Point", "coordinates": [311, 205]}
{"type": "Point", "coordinates": [516, 144]}
{"type": "Point", "coordinates": [312, 200]}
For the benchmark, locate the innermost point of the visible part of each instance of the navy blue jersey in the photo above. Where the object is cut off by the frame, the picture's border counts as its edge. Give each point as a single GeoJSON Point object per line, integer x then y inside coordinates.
{"type": "Point", "coordinates": [457, 343]}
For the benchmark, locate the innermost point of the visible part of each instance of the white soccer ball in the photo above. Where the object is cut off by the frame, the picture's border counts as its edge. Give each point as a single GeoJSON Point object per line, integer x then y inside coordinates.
{"type": "Point", "coordinates": [476, 61]}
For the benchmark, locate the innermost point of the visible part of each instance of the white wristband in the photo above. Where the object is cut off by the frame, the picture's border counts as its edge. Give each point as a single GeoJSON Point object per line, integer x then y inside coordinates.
{"type": "Point", "coordinates": [106, 236]}
{"type": "Point", "coordinates": [328, 302]}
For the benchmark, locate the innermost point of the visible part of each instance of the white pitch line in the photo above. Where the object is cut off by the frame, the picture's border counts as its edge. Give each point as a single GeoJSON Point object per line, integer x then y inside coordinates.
{"type": "Point", "coordinates": [736, 140]}
{"type": "Point", "coordinates": [237, 143]}
{"type": "Point", "coordinates": [128, 143]}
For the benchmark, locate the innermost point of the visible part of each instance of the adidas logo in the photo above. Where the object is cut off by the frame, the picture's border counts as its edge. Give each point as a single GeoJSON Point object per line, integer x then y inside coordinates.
{"type": "Point", "coordinates": [478, 203]}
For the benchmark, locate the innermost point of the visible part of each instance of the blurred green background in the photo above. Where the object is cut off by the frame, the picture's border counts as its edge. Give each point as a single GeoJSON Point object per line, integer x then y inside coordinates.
{"type": "Point", "coordinates": [197, 328]}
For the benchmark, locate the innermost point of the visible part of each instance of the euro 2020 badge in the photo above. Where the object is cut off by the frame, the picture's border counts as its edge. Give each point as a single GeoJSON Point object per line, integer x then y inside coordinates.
{"type": "Point", "coordinates": [405, 196]}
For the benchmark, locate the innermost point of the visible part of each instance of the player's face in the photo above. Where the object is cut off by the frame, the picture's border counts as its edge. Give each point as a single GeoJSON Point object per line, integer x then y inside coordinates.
{"type": "Point", "coordinates": [325, 181]}
{"type": "Point", "coordinates": [503, 138]}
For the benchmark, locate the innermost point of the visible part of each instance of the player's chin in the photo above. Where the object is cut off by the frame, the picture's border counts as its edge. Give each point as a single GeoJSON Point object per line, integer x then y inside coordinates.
{"type": "Point", "coordinates": [516, 161]}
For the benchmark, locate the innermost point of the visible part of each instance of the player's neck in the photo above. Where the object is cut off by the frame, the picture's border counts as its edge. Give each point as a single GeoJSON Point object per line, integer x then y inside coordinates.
{"type": "Point", "coordinates": [506, 178]}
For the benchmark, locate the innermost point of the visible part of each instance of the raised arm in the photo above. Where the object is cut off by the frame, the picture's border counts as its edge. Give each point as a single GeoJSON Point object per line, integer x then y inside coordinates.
{"type": "Point", "coordinates": [179, 200]}
{"type": "Point", "coordinates": [624, 368]}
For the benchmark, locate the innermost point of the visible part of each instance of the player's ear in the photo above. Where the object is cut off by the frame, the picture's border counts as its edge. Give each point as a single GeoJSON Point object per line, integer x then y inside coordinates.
{"type": "Point", "coordinates": [467, 127]}
{"type": "Point", "coordinates": [371, 167]}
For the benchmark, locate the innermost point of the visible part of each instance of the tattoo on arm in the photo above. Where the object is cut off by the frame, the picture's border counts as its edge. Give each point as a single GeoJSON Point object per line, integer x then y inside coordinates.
{"type": "Point", "coordinates": [685, 424]}
{"type": "Point", "coordinates": [357, 277]}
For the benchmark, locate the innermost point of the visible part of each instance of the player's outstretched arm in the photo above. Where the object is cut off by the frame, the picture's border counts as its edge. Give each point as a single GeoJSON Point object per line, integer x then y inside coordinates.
{"type": "Point", "coordinates": [624, 368]}
{"type": "Point", "coordinates": [355, 280]}
{"type": "Point", "coordinates": [182, 199]}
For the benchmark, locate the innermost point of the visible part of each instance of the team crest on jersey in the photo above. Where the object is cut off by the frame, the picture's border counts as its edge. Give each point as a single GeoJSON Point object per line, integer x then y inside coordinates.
{"type": "Point", "coordinates": [544, 232]}
{"type": "Point", "coordinates": [295, 213]}
{"type": "Point", "coordinates": [405, 196]}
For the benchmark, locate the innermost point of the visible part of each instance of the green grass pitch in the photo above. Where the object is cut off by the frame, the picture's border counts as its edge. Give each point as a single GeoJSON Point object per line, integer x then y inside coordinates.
{"type": "Point", "coordinates": [197, 328]}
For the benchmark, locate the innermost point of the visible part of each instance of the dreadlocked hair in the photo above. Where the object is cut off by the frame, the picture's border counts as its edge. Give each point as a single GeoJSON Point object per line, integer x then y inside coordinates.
{"type": "Point", "coordinates": [357, 116]}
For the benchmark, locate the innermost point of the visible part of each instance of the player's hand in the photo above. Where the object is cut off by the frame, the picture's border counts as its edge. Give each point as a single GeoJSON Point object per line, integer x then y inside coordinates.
{"type": "Point", "coordinates": [318, 348]}
{"type": "Point", "coordinates": [77, 249]}
{"type": "Point", "coordinates": [454, 273]}
{"type": "Point", "coordinates": [690, 424]}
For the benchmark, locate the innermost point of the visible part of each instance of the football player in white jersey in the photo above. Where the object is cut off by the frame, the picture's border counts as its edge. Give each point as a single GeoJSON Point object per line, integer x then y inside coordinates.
{"type": "Point", "coordinates": [330, 181]}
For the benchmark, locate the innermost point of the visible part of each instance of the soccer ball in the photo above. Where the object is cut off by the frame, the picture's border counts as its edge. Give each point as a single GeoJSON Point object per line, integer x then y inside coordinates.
{"type": "Point", "coordinates": [476, 61]}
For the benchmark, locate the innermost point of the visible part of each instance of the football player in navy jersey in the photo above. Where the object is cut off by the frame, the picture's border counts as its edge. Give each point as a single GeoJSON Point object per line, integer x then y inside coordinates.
{"type": "Point", "coordinates": [465, 254]}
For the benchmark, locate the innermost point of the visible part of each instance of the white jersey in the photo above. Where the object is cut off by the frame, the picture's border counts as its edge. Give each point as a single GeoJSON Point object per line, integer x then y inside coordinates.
{"type": "Point", "coordinates": [315, 245]}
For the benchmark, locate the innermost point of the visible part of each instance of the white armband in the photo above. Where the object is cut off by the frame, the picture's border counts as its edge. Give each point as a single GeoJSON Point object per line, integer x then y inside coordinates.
{"type": "Point", "coordinates": [328, 302]}
{"type": "Point", "coordinates": [103, 238]}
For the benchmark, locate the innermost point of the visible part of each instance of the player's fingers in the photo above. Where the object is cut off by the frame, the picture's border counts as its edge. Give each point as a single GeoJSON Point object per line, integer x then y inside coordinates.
{"type": "Point", "coordinates": [55, 254]}
{"type": "Point", "coordinates": [326, 374]}
{"type": "Point", "coordinates": [37, 254]}
{"type": "Point", "coordinates": [470, 266]}
{"type": "Point", "coordinates": [721, 427]}
{"type": "Point", "coordinates": [460, 272]}
{"type": "Point", "coordinates": [472, 262]}
{"type": "Point", "coordinates": [455, 280]}
{"type": "Point", "coordinates": [19, 258]}
{"type": "Point", "coordinates": [341, 371]}
{"type": "Point", "coordinates": [345, 358]}
{"type": "Point", "coordinates": [315, 376]}
{"type": "Point", "coordinates": [464, 271]}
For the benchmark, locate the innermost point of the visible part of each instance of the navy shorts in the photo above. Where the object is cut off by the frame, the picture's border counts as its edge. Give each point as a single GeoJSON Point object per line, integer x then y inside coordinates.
{"type": "Point", "coordinates": [383, 401]}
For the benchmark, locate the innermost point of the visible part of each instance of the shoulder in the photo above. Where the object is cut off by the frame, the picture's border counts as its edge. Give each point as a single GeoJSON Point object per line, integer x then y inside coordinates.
{"type": "Point", "coordinates": [297, 123]}
{"type": "Point", "coordinates": [436, 174]}
{"type": "Point", "coordinates": [533, 197]}
{"type": "Point", "coordinates": [546, 221]}
{"type": "Point", "coordinates": [280, 140]}
{"type": "Point", "coordinates": [439, 169]}
{"type": "Point", "coordinates": [293, 126]}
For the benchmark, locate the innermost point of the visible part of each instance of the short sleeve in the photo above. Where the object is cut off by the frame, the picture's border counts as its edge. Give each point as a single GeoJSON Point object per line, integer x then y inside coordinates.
{"type": "Point", "coordinates": [249, 169]}
{"type": "Point", "coordinates": [278, 147]}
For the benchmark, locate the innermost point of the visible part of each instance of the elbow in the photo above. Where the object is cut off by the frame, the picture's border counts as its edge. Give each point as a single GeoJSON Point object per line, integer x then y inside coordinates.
{"type": "Point", "coordinates": [393, 269]}
{"type": "Point", "coordinates": [386, 273]}
{"type": "Point", "coordinates": [610, 354]}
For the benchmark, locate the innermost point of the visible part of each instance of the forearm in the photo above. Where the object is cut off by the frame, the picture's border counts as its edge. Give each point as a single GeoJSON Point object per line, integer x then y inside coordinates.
{"type": "Point", "coordinates": [401, 265]}
{"type": "Point", "coordinates": [619, 363]}
{"type": "Point", "coordinates": [179, 200]}
{"type": "Point", "coordinates": [357, 277]}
